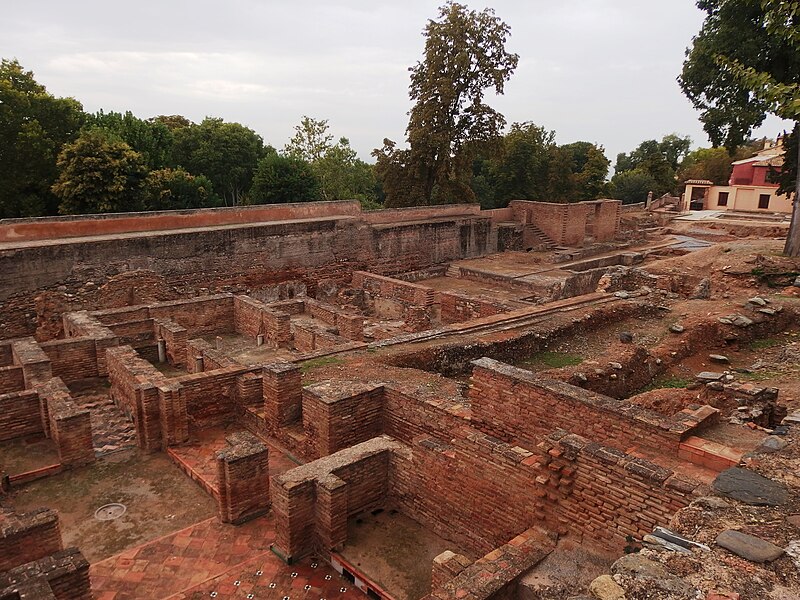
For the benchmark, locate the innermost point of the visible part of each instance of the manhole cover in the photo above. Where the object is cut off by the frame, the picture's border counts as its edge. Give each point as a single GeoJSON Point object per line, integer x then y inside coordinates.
{"type": "Point", "coordinates": [109, 512]}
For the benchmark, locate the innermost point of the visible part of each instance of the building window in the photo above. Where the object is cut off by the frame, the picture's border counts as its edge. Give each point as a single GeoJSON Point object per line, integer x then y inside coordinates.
{"type": "Point", "coordinates": [763, 201]}
{"type": "Point", "coordinates": [722, 199]}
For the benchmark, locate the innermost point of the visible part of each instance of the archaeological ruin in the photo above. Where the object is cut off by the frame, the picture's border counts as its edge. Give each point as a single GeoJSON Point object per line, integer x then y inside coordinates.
{"type": "Point", "coordinates": [311, 401]}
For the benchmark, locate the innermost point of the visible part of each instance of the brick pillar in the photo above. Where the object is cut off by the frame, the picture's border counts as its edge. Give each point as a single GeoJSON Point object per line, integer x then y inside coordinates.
{"type": "Point", "coordinates": [331, 513]}
{"type": "Point", "coordinates": [243, 472]}
{"type": "Point", "coordinates": [100, 347]}
{"type": "Point", "coordinates": [446, 566]}
{"type": "Point", "coordinates": [293, 509]}
{"type": "Point", "coordinates": [283, 394]}
{"type": "Point", "coordinates": [28, 537]}
{"type": "Point", "coordinates": [71, 429]}
{"type": "Point", "coordinates": [173, 415]}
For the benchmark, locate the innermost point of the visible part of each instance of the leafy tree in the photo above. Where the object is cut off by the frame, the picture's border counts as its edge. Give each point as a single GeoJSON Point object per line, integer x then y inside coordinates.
{"type": "Point", "coordinates": [311, 140]}
{"type": "Point", "coordinates": [712, 164]}
{"type": "Point", "coordinates": [226, 153]}
{"type": "Point", "coordinates": [343, 176]}
{"type": "Point", "coordinates": [172, 189]}
{"type": "Point", "coordinates": [281, 179]}
{"type": "Point", "coordinates": [632, 186]}
{"type": "Point", "coordinates": [99, 173]}
{"type": "Point", "coordinates": [660, 160]}
{"type": "Point", "coordinates": [744, 64]}
{"type": "Point", "coordinates": [172, 122]}
{"type": "Point", "coordinates": [34, 125]}
{"type": "Point", "coordinates": [589, 170]}
{"type": "Point", "coordinates": [152, 138]}
{"type": "Point", "coordinates": [464, 56]}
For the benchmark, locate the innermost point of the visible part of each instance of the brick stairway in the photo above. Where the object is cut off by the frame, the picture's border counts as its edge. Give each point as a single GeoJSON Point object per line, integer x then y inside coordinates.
{"type": "Point", "coordinates": [533, 237]}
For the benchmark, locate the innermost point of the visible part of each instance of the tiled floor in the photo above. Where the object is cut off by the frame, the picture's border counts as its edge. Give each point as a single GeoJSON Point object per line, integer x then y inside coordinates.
{"type": "Point", "coordinates": [207, 560]}
{"type": "Point", "coordinates": [198, 457]}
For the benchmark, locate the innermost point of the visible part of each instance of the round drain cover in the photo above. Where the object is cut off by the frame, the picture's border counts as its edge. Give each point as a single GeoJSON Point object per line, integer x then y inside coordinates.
{"type": "Point", "coordinates": [109, 512]}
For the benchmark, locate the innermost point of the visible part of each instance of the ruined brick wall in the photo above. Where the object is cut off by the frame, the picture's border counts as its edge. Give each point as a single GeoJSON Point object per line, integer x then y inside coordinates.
{"type": "Point", "coordinates": [456, 308]}
{"type": "Point", "coordinates": [72, 359]}
{"type": "Point", "coordinates": [311, 503]}
{"type": "Point", "coordinates": [208, 315]}
{"type": "Point", "coordinates": [69, 426]}
{"type": "Point", "coordinates": [243, 478]}
{"type": "Point", "coordinates": [210, 395]}
{"type": "Point", "coordinates": [349, 326]}
{"type": "Point", "coordinates": [247, 316]}
{"type": "Point", "coordinates": [133, 387]}
{"type": "Point", "coordinates": [337, 415]}
{"type": "Point", "coordinates": [613, 495]}
{"type": "Point", "coordinates": [607, 220]}
{"type": "Point", "coordinates": [28, 537]}
{"type": "Point", "coordinates": [6, 355]}
{"type": "Point", "coordinates": [283, 394]}
{"type": "Point", "coordinates": [20, 415]}
{"type": "Point", "coordinates": [11, 379]}
{"type": "Point", "coordinates": [395, 289]}
{"type": "Point", "coordinates": [175, 339]}
{"type": "Point", "coordinates": [63, 575]}
{"type": "Point", "coordinates": [513, 404]}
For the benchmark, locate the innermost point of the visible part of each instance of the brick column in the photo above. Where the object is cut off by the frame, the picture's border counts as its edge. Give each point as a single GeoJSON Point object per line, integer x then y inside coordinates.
{"type": "Point", "coordinates": [331, 513]}
{"type": "Point", "coordinates": [283, 394]}
{"type": "Point", "coordinates": [243, 471]}
{"type": "Point", "coordinates": [173, 415]}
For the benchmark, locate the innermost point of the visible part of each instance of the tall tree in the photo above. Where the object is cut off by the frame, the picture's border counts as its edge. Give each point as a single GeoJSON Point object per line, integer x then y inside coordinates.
{"type": "Point", "coordinates": [283, 179]}
{"type": "Point", "coordinates": [743, 65]}
{"type": "Point", "coordinates": [464, 57]}
{"type": "Point", "coordinates": [34, 126]}
{"type": "Point", "coordinates": [152, 138]}
{"type": "Point", "coordinates": [173, 189]}
{"type": "Point", "coordinates": [99, 173]}
{"type": "Point", "coordinates": [310, 141]}
{"type": "Point", "coordinates": [226, 153]}
{"type": "Point", "coordinates": [659, 160]}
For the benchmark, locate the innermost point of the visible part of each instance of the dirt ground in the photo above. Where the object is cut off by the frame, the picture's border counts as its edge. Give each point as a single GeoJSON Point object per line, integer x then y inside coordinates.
{"type": "Point", "coordinates": [21, 455]}
{"type": "Point", "coordinates": [394, 551]}
{"type": "Point", "coordinates": [158, 497]}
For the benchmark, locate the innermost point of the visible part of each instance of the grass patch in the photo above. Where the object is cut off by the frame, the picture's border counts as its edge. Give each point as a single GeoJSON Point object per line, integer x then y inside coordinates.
{"type": "Point", "coordinates": [759, 375]}
{"type": "Point", "coordinates": [667, 381]}
{"type": "Point", "coordinates": [765, 343]}
{"type": "Point", "coordinates": [316, 363]}
{"type": "Point", "coordinates": [553, 360]}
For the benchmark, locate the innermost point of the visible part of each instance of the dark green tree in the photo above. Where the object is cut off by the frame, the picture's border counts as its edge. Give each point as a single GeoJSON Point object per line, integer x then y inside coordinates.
{"type": "Point", "coordinates": [632, 186]}
{"type": "Point", "coordinates": [660, 160]}
{"type": "Point", "coordinates": [281, 179]}
{"type": "Point", "coordinates": [99, 173]}
{"type": "Point", "coordinates": [152, 138]}
{"type": "Point", "coordinates": [34, 126]}
{"type": "Point", "coordinates": [226, 153]}
{"type": "Point", "coordinates": [173, 189]}
{"type": "Point", "coordinates": [464, 57]}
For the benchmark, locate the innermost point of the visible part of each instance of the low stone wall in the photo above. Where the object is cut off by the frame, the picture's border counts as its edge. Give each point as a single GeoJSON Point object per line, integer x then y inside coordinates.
{"type": "Point", "coordinates": [394, 289]}
{"type": "Point", "coordinates": [27, 537]}
{"type": "Point", "coordinates": [513, 404]}
{"type": "Point", "coordinates": [456, 308]}
{"type": "Point", "coordinates": [11, 379]}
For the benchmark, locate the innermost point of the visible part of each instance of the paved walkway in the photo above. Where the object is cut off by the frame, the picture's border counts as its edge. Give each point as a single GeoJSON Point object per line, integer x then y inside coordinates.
{"type": "Point", "coordinates": [214, 560]}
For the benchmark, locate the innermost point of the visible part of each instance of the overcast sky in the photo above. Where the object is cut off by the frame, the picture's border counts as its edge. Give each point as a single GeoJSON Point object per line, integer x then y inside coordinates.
{"type": "Point", "coordinates": [596, 70]}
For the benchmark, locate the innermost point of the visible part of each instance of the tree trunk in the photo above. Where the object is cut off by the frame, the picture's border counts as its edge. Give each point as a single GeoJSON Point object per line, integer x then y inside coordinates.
{"type": "Point", "coordinates": [792, 247]}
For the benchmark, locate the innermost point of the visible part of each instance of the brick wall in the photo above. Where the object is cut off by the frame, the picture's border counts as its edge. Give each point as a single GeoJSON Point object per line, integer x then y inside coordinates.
{"type": "Point", "coordinates": [63, 575]}
{"type": "Point", "coordinates": [70, 426]}
{"type": "Point", "coordinates": [395, 289]}
{"type": "Point", "coordinates": [34, 362]}
{"type": "Point", "coordinates": [492, 577]}
{"type": "Point", "coordinates": [243, 476]}
{"type": "Point", "coordinates": [6, 355]}
{"type": "Point", "coordinates": [134, 388]}
{"type": "Point", "coordinates": [206, 315]}
{"type": "Point", "coordinates": [337, 415]}
{"type": "Point", "coordinates": [247, 316]}
{"type": "Point", "coordinates": [28, 537]}
{"type": "Point", "coordinates": [283, 394]}
{"type": "Point", "coordinates": [350, 326]}
{"type": "Point", "coordinates": [211, 395]}
{"type": "Point", "coordinates": [613, 495]}
{"type": "Point", "coordinates": [72, 359]}
{"type": "Point", "coordinates": [20, 415]}
{"type": "Point", "coordinates": [175, 338]}
{"type": "Point", "coordinates": [457, 307]}
{"type": "Point", "coordinates": [311, 503]}
{"type": "Point", "coordinates": [11, 379]}
{"type": "Point", "coordinates": [513, 404]}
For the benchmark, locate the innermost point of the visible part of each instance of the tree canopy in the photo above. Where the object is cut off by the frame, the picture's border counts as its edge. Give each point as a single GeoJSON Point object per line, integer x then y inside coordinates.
{"type": "Point", "coordinates": [99, 173]}
{"type": "Point", "coordinates": [152, 138]}
{"type": "Point", "coordinates": [226, 153]}
{"type": "Point", "coordinates": [658, 160]}
{"type": "Point", "coordinates": [464, 57]}
{"type": "Point", "coordinates": [34, 126]}
{"type": "Point", "coordinates": [281, 179]}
